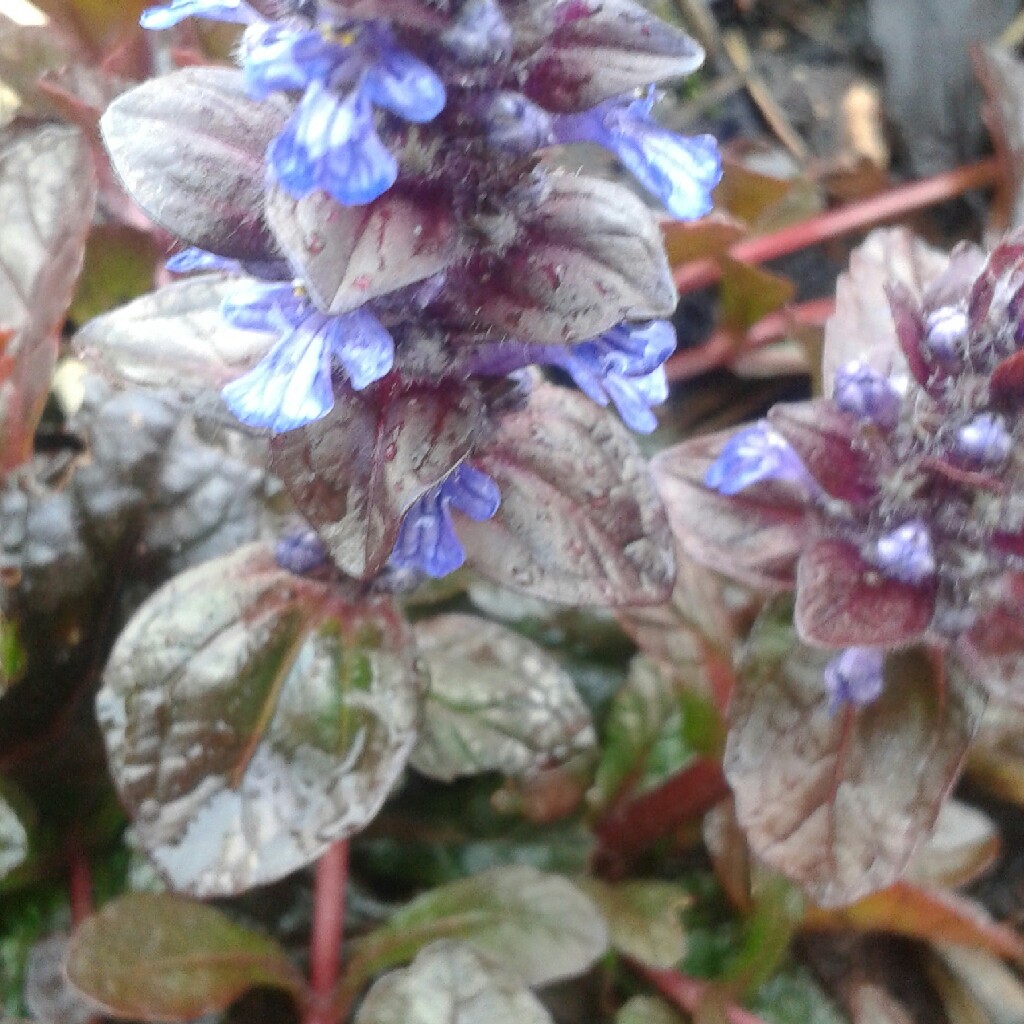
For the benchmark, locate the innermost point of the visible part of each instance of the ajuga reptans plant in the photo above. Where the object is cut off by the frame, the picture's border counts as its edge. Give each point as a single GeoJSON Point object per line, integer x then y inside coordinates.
{"type": "Point", "coordinates": [385, 240]}
{"type": "Point", "coordinates": [895, 506]}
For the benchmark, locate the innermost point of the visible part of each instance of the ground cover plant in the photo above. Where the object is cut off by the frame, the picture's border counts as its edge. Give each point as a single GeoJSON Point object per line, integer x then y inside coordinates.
{"type": "Point", "coordinates": [410, 612]}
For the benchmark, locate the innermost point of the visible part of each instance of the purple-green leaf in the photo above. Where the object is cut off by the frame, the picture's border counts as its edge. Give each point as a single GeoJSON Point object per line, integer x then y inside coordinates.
{"type": "Point", "coordinates": [189, 148]}
{"type": "Point", "coordinates": [452, 983]}
{"type": "Point", "coordinates": [354, 473]}
{"type": "Point", "coordinates": [579, 521]}
{"type": "Point", "coordinates": [173, 336]}
{"type": "Point", "coordinates": [539, 926]}
{"type": "Point", "coordinates": [839, 800]}
{"type": "Point", "coordinates": [162, 958]}
{"type": "Point", "coordinates": [755, 536]}
{"type": "Point", "coordinates": [47, 194]}
{"type": "Point", "coordinates": [252, 718]}
{"type": "Point", "coordinates": [497, 702]}
{"type": "Point", "coordinates": [580, 52]}
{"type": "Point", "coordinates": [347, 255]}
{"type": "Point", "coordinates": [587, 255]}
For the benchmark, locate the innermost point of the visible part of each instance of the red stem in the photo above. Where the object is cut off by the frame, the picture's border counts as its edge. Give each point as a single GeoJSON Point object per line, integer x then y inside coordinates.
{"type": "Point", "coordinates": [853, 217]}
{"type": "Point", "coordinates": [688, 993]}
{"type": "Point", "coordinates": [635, 825]}
{"type": "Point", "coordinates": [79, 884]}
{"type": "Point", "coordinates": [326, 934]}
{"type": "Point", "coordinates": [721, 348]}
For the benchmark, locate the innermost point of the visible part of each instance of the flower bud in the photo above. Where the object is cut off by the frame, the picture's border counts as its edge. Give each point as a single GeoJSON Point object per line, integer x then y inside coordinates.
{"type": "Point", "coordinates": [854, 677]}
{"type": "Point", "coordinates": [866, 393]}
{"type": "Point", "coordinates": [985, 440]}
{"type": "Point", "coordinates": [946, 333]}
{"type": "Point", "coordinates": [906, 554]}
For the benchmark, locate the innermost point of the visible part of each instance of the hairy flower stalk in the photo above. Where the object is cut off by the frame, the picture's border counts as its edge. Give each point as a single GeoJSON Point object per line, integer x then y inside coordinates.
{"type": "Point", "coordinates": [414, 250]}
{"type": "Point", "coordinates": [904, 490]}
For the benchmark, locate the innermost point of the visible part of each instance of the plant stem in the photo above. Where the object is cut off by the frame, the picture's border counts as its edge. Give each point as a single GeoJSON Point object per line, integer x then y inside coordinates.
{"type": "Point", "coordinates": [688, 993]}
{"type": "Point", "coordinates": [856, 216]}
{"type": "Point", "coordinates": [721, 347]}
{"type": "Point", "coordinates": [635, 825]}
{"type": "Point", "coordinates": [79, 884]}
{"type": "Point", "coordinates": [326, 934]}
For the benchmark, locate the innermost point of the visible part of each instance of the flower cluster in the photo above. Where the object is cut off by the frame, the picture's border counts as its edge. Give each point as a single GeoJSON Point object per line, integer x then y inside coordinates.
{"type": "Point", "coordinates": [418, 238]}
{"type": "Point", "coordinates": [902, 493]}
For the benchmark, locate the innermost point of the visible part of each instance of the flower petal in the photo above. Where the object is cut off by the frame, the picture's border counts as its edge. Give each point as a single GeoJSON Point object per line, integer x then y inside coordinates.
{"type": "Point", "coordinates": [403, 84]}
{"type": "Point", "coordinates": [257, 306]}
{"type": "Point", "coordinates": [290, 386]}
{"type": "Point", "coordinates": [472, 492]}
{"type": "Point", "coordinates": [363, 346]}
{"type": "Point", "coordinates": [331, 143]}
{"type": "Point", "coordinates": [280, 58]}
{"type": "Point", "coordinates": [236, 11]}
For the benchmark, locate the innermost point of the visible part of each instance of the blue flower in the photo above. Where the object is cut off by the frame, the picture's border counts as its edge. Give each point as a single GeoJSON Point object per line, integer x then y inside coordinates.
{"type": "Point", "coordinates": [426, 539]}
{"type": "Point", "coordinates": [755, 454]}
{"type": "Point", "coordinates": [854, 677]}
{"type": "Point", "coordinates": [167, 15]}
{"type": "Point", "coordinates": [624, 365]}
{"type": "Point", "coordinates": [681, 171]}
{"type": "Point", "coordinates": [332, 144]}
{"type": "Point", "coordinates": [906, 554]}
{"type": "Point", "coordinates": [331, 141]}
{"type": "Point", "coordinates": [291, 386]}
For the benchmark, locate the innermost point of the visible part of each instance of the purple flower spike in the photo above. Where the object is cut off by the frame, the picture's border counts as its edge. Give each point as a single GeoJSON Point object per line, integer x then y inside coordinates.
{"type": "Point", "coordinates": [480, 34]}
{"type": "Point", "coordinates": [946, 333]}
{"type": "Point", "coordinates": [854, 677]}
{"type": "Point", "coordinates": [680, 171]}
{"type": "Point", "coordinates": [167, 15]}
{"type": "Point", "coordinates": [291, 386]}
{"type": "Point", "coordinates": [300, 551]}
{"type": "Point", "coordinates": [866, 393]}
{"type": "Point", "coordinates": [332, 144]}
{"type": "Point", "coordinates": [906, 554]}
{"type": "Point", "coordinates": [755, 454]}
{"type": "Point", "coordinates": [427, 540]}
{"type": "Point", "coordinates": [985, 440]}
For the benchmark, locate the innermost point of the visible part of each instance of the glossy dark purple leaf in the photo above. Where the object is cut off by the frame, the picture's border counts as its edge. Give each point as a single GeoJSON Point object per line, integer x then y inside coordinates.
{"type": "Point", "coordinates": [838, 800]}
{"type": "Point", "coordinates": [47, 194]}
{"type": "Point", "coordinates": [161, 958]}
{"type": "Point", "coordinates": [842, 601]}
{"type": "Point", "coordinates": [354, 473]}
{"type": "Point", "coordinates": [190, 148]}
{"type": "Point", "coordinates": [174, 336]}
{"type": "Point", "coordinates": [754, 536]}
{"type": "Point", "coordinates": [580, 521]}
{"type": "Point", "coordinates": [847, 458]}
{"type": "Point", "coordinates": [252, 718]}
{"type": "Point", "coordinates": [990, 651]}
{"type": "Point", "coordinates": [587, 255]}
{"type": "Point", "coordinates": [497, 702]}
{"type": "Point", "coordinates": [580, 52]}
{"type": "Point", "coordinates": [347, 255]}
{"type": "Point", "coordinates": [452, 979]}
